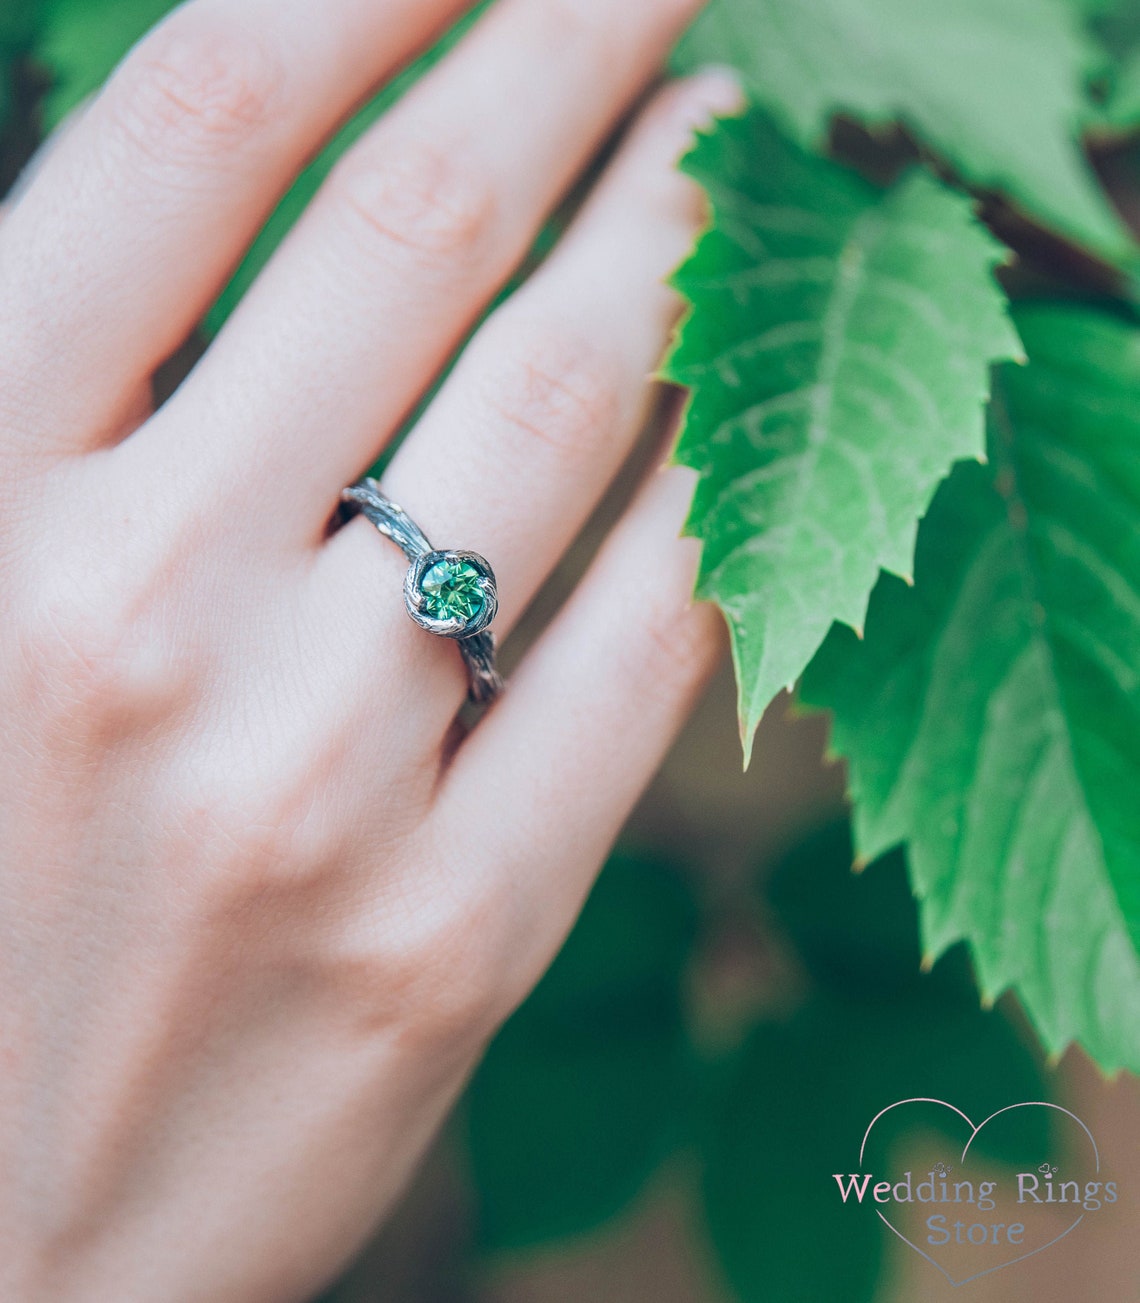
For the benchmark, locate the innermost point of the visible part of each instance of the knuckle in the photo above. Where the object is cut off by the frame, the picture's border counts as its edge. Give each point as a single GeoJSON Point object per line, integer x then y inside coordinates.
{"type": "Point", "coordinates": [555, 386]}
{"type": "Point", "coordinates": [260, 836]}
{"type": "Point", "coordinates": [191, 91]}
{"type": "Point", "coordinates": [96, 663]}
{"type": "Point", "coordinates": [76, 657]}
{"type": "Point", "coordinates": [431, 973]}
{"type": "Point", "coordinates": [261, 852]}
{"type": "Point", "coordinates": [418, 200]}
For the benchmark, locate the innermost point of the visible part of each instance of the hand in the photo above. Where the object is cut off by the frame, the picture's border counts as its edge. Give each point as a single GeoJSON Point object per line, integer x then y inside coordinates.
{"type": "Point", "coordinates": [263, 901]}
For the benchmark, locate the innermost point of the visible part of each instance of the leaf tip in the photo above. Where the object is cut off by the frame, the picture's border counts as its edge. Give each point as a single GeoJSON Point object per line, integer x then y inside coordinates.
{"type": "Point", "coordinates": [927, 962]}
{"type": "Point", "coordinates": [859, 863]}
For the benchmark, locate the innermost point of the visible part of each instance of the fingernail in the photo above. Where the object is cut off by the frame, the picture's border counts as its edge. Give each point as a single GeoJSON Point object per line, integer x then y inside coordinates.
{"type": "Point", "coordinates": [713, 92]}
{"type": "Point", "coordinates": [676, 485]}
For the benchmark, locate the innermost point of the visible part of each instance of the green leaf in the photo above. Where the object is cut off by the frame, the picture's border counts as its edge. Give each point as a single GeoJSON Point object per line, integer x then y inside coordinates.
{"type": "Point", "coordinates": [84, 40]}
{"type": "Point", "coordinates": [992, 716]}
{"type": "Point", "coordinates": [994, 86]}
{"type": "Point", "coordinates": [837, 349]}
{"type": "Point", "coordinates": [872, 1031]}
{"type": "Point", "coordinates": [582, 1093]}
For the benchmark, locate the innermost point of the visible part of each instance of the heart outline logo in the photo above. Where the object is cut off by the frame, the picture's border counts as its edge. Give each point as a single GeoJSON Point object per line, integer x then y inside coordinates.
{"type": "Point", "coordinates": [1038, 1103]}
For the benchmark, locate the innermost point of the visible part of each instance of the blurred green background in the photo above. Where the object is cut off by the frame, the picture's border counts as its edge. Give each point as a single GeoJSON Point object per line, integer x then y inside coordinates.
{"type": "Point", "coordinates": [660, 1121]}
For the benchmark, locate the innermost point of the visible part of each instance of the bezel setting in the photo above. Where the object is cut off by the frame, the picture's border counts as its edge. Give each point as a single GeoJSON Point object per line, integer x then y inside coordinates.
{"type": "Point", "coordinates": [455, 626]}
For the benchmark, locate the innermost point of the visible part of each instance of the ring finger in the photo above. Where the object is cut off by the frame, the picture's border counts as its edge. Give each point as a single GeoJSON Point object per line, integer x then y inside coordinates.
{"type": "Point", "coordinates": [546, 401]}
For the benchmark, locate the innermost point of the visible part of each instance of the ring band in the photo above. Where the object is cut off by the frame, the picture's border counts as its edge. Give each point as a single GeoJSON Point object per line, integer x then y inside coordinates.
{"type": "Point", "coordinates": [450, 593]}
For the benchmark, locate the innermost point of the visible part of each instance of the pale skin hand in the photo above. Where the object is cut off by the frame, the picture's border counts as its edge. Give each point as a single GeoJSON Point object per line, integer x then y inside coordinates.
{"type": "Point", "coordinates": [261, 905]}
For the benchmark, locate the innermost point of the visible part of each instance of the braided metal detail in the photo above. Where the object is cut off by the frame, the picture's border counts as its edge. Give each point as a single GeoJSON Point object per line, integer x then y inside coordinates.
{"type": "Point", "coordinates": [484, 681]}
{"type": "Point", "coordinates": [390, 519]}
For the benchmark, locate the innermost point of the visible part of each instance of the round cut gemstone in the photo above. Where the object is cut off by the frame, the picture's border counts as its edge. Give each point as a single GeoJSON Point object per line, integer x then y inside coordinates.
{"type": "Point", "coordinates": [451, 590]}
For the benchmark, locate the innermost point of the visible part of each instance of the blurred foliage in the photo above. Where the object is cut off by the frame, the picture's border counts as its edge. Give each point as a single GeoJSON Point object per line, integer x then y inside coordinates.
{"type": "Point", "coordinates": [1118, 27]}
{"type": "Point", "coordinates": [598, 1078]}
{"type": "Point", "coordinates": [996, 88]}
{"type": "Point", "coordinates": [20, 26]}
{"type": "Point", "coordinates": [872, 1030]}
{"type": "Point", "coordinates": [585, 1089]}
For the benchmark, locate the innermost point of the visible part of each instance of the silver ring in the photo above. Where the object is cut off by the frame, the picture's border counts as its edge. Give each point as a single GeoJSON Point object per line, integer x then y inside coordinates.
{"type": "Point", "coordinates": [450, 593]}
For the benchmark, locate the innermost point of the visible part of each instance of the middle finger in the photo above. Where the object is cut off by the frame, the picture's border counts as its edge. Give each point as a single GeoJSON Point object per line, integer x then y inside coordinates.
{"type": "Point", "coordinates": [416, 228]}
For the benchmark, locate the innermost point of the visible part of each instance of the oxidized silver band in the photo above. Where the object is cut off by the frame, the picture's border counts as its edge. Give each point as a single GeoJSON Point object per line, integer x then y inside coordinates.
{"type": "Point", "coordinates": [451, 593]}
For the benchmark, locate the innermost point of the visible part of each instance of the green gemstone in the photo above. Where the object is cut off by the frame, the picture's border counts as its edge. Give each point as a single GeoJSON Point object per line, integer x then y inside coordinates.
{"type": "Point", "coordinates": [451, 589]}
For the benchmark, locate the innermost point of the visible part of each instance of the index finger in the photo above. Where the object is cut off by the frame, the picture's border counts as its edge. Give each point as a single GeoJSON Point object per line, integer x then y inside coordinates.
{"type": "Point", "coordinates": [132, 224]}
